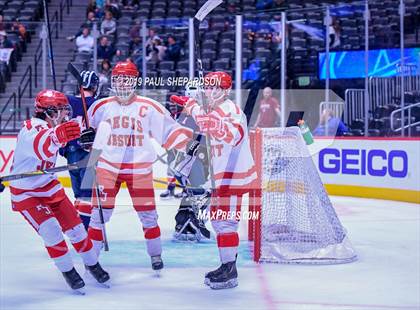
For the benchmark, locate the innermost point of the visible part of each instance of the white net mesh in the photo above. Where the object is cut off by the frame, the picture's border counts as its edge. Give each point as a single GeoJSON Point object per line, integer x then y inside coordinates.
{"type": "Point", "coordinates": [298, 224]}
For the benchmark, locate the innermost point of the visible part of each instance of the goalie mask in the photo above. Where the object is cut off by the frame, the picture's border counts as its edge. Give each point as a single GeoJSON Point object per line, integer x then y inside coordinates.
{"type": "Point", "coordinates": [54, 105]}
{"type": "Point", "coordinates": [217, 86]}
{"type": "Point", "coordinates": [124, 79]}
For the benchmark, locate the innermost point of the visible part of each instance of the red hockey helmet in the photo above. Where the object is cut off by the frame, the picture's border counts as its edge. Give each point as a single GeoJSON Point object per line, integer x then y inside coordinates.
{"type": "Point", "coordinates": [218, 85]}
{"type": "Point", "coordinates": [49, 98]}
{"type": "Point", "coordinates": [218, 79]}
{"type": "Point", "coordinates": [54, 105]}
{"type": "Point", "coordinates": [124, 79]}
{"type": "Point", "coordinates": [125, 68]}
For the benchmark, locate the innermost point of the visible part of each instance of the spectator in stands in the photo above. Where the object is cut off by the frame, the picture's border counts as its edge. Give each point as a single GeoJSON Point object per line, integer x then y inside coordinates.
{"type": "Point", "coordinates": [97, 7]}
{"type": "Point", "coordinates": [108, 25]}
{"type": "Point", "coordinates": [173, 50]}
{"type": "Point", "coordinates": [119, 56]}
{"type": "Point", "coordinates": [329, 125]}
{"type": "Point", "coordinates": [135, 45]}
{"type": "Point", "coordinates": [4, 41]}
{"type": "Point", "coordinates": [114, 7]}
{"type": "Point", "coordinates": [269, 110]}
{"type": "Point", "coordinates": [335, 31]}
{"type": "Point", "coordinates": [152, 36]}
{"type": "Point", "coordinates": [20, 29]}
{"type": "Point", "coordinates": [158, 51]}
{"type": "Point", "coordinates": [105, 50]}
{"type": "Point", "coordinates": [105, 73]}
{"type": "Point", "coordinates": [85, 41]}
{"type": "Point", "coordinates": [2, 26]}
{"type": "Point", "coordinates": [91, 20]}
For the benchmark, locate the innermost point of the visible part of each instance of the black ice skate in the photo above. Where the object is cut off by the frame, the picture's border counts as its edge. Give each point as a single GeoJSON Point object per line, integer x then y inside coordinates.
{"type": "Point", "coordinates": [157, 263]}
{"type": "Point", "coordinates": [211, 274]}
{"type": "Point", "coordinates": [169, 193]}
{"type": "Point", "coordinates": [98, 273]}
{"type": "Point", "coordinates": [226, 276]}
{"type": "Point", "coordinates": [74, 280]}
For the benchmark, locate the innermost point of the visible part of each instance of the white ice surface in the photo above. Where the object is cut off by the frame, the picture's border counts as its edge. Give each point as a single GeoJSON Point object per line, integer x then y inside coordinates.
{"type": "Point", "coordinates": [386, 236]}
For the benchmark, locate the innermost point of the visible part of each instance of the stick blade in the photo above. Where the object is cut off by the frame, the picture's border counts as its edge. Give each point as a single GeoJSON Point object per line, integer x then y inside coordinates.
{"type": "Point", "coordinates": [207, 7]}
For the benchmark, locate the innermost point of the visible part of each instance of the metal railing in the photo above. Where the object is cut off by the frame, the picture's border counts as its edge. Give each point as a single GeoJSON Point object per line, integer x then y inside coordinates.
{"type": "Point", "coordinates": [383, 90]}
{"type": "Point", "coordinates": [407, 125]}
{"type": "Point", "coordinates": [355, 105]}
{"type": "Point", "coordinates": [37, 57]}
{"type": "Point", "coordinates": [12, 98]}
{"type": "Point", "coordinates": [25, 82]}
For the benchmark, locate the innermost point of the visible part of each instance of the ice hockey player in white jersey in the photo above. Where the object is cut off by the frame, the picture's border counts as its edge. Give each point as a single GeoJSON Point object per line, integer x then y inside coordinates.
{"type": "Point", "coordinates": [129, 154]}
{"type": "Point", "coordinates": [41, 199]}
{"type": "Point", "coordinates": [233, 166]}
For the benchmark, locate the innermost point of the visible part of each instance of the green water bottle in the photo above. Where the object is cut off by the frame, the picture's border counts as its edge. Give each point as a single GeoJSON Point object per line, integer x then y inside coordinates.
{"type": "Point", "coordinates": [306, 132]}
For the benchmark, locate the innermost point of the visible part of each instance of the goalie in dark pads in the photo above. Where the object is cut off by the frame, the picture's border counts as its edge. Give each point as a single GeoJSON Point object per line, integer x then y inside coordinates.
{"type": "Point", "coordinates": [195, 198]}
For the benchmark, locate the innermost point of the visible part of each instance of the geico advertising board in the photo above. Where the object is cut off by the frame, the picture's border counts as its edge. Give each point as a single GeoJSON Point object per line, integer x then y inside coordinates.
{"type": "Point", "coordinates": [371, 163]}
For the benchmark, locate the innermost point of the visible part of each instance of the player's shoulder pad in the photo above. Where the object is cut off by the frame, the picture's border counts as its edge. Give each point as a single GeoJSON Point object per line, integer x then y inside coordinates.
{"type": "Point", "coordinates": [229, 108]}
{"type": "Point", "coordinates": [34, 124]}
{"type": "Point", "coordinates": [151, 103]}
{"type": "Point", "coordinates": [100, 103]}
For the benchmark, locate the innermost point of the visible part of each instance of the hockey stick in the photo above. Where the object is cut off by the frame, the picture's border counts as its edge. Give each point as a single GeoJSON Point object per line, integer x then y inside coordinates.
{"type": "Point", "coordinates": [18, 176]}
{"type": "Point", "coordinates": [73, 71]}
{"type": "Point", "coordinates": [207, 7]}
{"type": "Point", "coordinates": [47, 22]}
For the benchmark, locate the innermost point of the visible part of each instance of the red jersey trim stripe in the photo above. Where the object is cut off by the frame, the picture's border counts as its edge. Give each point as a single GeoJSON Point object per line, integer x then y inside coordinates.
{"type": "Point", "coordinates": [100, 104]}
{"type": "Point", "coordinates": [142, 100]}
{"type": "Point", "coordinates": [126, 165]}
{"type": "Point", "coordinates": [37, 141]}
{"type": "Point", "coordinates": [175, 135]}
{"type": "Point", "coordinates": [45, 188]}
{"type": "Point", "coordinates": [241, 132]}
{"type": "Point", "coordinates": [46, 147]}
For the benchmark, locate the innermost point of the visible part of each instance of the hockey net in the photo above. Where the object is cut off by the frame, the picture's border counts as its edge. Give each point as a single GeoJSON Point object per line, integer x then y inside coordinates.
{"type": "Point", "coordinates": [297, 222]}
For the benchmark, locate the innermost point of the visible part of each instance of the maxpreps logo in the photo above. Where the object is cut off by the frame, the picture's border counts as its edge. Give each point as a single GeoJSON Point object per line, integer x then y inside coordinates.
{"type": "Point", "coordinates": [377, 163]}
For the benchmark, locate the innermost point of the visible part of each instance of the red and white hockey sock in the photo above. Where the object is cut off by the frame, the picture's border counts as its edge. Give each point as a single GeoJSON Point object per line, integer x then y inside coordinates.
{"type": "Point", "coordinates": [228, 246]}
{"type": "Point", "coordinates": [95, 228]}
{"type": "Point", "coordinates": [83, 207]}
{"type": "Point", "coordinates": [82, 244]}
{"type": "Point", "coordinates": [96, 236]}
{"type": "Point", "coordinates": [153, 242]}
{"type": "Point", "coordinates": [59, 253]}
{"type": "Point", "coordinates": [151, 231]}
{"type": "Point", "coordinates": [50, 231]}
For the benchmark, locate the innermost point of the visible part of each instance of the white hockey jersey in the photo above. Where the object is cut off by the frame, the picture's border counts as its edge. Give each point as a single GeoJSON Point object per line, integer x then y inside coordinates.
{"type": "Point", "coordinates": [232, 160]}
{"type": "Point", "coordinates": [129, 149]}
{"type": "Point", "coordinates": [36, 149]}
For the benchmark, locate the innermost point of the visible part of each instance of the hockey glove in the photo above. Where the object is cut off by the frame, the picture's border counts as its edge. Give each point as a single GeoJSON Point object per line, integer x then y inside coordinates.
{"type": "Point", "coordinates": [66, 132]}
{"type": "Point", "coordinates": [2, 187]}
{"type": "Point", "coordinates": [87, 137]}
{"type": "Point", "coordinates": [192, 147]}
{"type": "Point", "coordinates": [188, 103]}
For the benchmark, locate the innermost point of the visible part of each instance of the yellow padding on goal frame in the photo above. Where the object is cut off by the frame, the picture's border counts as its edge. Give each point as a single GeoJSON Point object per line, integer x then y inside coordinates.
{"type": "Point", "coordinates": [332, 189]}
